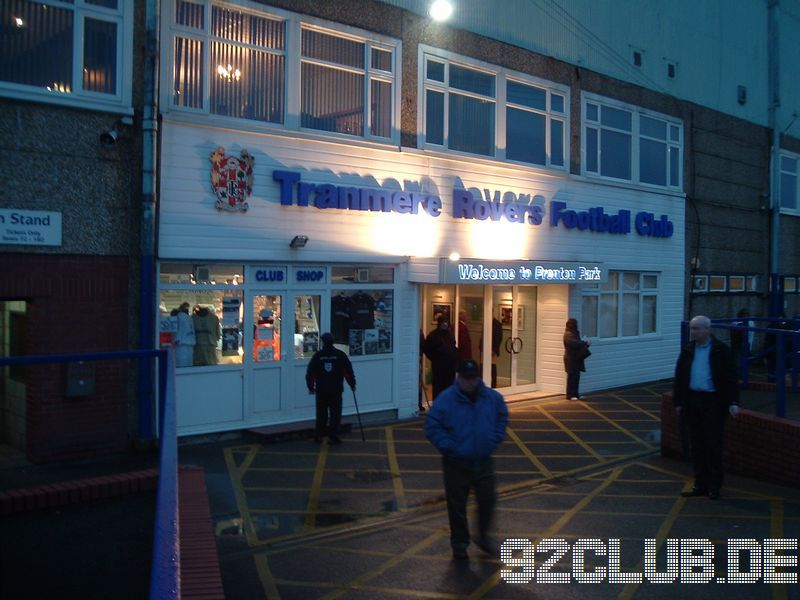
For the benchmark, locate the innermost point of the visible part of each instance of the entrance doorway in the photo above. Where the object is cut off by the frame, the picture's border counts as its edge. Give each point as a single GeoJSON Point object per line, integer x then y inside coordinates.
{"type": "Point", "coordinates": [504, 314]}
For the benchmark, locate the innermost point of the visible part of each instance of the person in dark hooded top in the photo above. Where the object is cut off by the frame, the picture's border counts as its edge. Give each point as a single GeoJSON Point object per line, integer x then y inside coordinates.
{"type": "Point", "coordinates": [440, 348]}
{"type": "Point", "coordinates": [325, 376]}
{"type": "Point", "coordinates": [576, 351]}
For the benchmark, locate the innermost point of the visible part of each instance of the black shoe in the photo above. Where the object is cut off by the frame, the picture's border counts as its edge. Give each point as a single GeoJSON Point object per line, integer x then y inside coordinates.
{"type": "Point", "coordinates": [460, 554]}
{"type": "Point", "coordinates": [694, 492]}
{"type": "Point", "coordinates": [422, 409]}
{"type": "Point", "coordinates": [335, 440]}
{"type": "Point", "coordinates": [713, 495]}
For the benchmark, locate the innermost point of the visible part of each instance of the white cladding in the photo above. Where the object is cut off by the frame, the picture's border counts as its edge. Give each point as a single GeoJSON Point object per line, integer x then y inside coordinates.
{"type": "Point", "coordinates": [190, 227]}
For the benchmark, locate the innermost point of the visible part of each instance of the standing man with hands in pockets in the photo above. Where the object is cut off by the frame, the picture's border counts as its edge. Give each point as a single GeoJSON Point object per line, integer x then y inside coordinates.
{"type": "Point", "coordinates": [704, 393]}
{"type": "Point", "coordinates": [325, 376]}
{"type": "Point", "coordinates": [466, 424]}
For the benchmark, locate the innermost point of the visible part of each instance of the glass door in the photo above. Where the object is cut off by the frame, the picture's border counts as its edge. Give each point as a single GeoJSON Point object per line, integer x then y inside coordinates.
{"type": "Point", "coordinates": [514, 325]}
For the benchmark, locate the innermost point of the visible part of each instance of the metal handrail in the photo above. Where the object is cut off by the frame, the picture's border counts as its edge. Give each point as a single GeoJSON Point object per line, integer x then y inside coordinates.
{"type": "Point", "coordinates": [779, 349]}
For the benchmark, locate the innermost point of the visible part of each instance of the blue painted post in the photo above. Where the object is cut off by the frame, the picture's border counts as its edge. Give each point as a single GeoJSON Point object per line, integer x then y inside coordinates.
{"type": "Point", "coordinates": [780, 375]}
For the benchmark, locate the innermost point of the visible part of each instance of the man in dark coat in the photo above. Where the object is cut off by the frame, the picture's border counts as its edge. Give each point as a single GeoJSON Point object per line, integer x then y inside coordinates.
{"type": "Point", "coordinates": [440, 348]}
{"type": "Point", "coordinates": [575, 353]}
{"type": "Point", "coordinates": [326, 372]}
{"type": "Point", "coordinates": [706, 391]}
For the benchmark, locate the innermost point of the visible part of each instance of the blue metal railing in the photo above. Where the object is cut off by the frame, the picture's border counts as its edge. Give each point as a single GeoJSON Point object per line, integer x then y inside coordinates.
{"type": "Point", "coordinates": [165, 573]}
{"type": "Point", "coordinates": [786, 345]}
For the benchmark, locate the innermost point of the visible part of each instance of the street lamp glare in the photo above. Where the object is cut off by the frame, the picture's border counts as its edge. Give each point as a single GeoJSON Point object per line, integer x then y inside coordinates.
{"type": "Point", "coordinates": [441, 10]}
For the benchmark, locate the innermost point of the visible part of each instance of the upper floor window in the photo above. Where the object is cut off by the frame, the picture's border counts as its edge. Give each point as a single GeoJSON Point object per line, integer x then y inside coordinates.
{"type": "Point", "coordinates": [624, 142]}
{"type": "Point", "coordinates": [789, 182]}
{"type": "Point", "coordinates": [73, 52]}
{"type": "Point", "coordinates": [280, 69]}
{"type": "Point", "coordinates": [479, 109]}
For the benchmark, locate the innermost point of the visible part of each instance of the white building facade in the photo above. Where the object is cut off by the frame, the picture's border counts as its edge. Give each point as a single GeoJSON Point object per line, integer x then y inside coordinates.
{"type": "Point", "coordinates": [349, 229]}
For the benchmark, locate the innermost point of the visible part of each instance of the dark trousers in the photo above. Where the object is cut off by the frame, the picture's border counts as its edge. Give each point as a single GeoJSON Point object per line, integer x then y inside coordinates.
{"type": "Point", "coordinates": [706, 436]}
{"type": "Point", "coordinates": [459, 477]}
{"type": "Point", "coordinates": [573, 382]}
{"type": "Point", "coordinates": [328, 403]}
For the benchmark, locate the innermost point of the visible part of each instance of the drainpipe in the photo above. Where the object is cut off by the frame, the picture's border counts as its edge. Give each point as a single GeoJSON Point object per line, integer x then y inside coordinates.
{"type": "Point", "coordinates": [776, 289]}
{"type": "Point", "coordinates": [147, 302]}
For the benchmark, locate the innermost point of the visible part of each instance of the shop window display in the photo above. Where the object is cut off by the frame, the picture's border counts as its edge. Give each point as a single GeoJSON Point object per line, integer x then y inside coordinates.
{"type": "Point", "coordinates": [361, 321]}
{"type": "Point", "coordinates": [213, 329]}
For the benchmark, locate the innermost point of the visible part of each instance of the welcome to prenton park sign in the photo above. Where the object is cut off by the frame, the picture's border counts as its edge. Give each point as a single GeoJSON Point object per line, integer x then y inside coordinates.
{"type": "Point", "coordinates": [496, 206]}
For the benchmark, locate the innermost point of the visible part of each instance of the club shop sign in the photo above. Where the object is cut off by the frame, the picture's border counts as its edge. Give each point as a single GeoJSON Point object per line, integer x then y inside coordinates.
{"type": "Point", "coordinates": [494, 205]}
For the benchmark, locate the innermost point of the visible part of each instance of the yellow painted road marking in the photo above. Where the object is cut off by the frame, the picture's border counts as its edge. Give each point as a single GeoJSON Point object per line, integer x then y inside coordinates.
{"type": "Point", "coordinates": [618, 426]}
{"type": "Point", "coordinates": [526, 451]}
{"type": "Point", "coordinates": [241, 498]}
{"type": "Point", "coordinates": [265, 575]}
{"type": "Point", "coordinates": [248, 460]}
{"type": "Point", "coordinates": [483, 589]}
{"type": "Point", "coordinates": [354, 584]}
{"type": "Point", "coordinates": [638, 408]}
{"type": "Point", "coordinates": [569, 432]}
{"type": "Point", "coordinates": [394, 469]}
{"type": "Point", "coordinates": [316, 488]}
{"type": "Point", "coordinates": [661, 536]}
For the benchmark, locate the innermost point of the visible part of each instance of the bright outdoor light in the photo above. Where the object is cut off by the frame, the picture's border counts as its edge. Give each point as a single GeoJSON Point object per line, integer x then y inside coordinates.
{"type": "Point", "coordinates": [440, 10]}
{"type": "Point", "coordinates": [454, 256]}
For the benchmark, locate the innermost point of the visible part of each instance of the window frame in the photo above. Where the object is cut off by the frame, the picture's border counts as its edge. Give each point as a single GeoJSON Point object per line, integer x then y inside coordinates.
{"type": "Point", "coordinates": [642, 292]}
{"type": "Point", "coordinates": [636, 136]}
{"type": "Point", "coordinates": [502, 76]}
{"type": "Point", "coordinates": [796, 157]}
{"type": "Point", "coordinates": [121, 101]}
{"type": "Point", "coordinates": [293, 61]}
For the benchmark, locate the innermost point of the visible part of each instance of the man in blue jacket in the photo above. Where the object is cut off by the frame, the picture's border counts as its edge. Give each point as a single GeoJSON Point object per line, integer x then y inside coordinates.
{"type": "Point", "coordinates": [466, 424]}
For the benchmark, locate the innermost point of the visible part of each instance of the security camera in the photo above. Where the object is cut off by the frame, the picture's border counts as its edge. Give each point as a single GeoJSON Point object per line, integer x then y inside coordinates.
{"type": "Point", "coordinates": [109, 138]}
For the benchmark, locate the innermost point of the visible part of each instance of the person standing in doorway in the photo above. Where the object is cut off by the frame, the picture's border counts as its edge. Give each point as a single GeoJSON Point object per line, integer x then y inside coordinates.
{"type": "Point", "coordinates": [440, 348]}
{"type": "Point", "coordinates": [497, 340]}
{"type": "Point", "coordinates": [184, 337]}
{"type": "Point", "coordinates": [466, 425]}
{"type": "Point", "coordinates": [464, 341]}
{"type": "Point", "coordinates": [325, 376]}
{"type": "Point", "coordinates": [707, 391]}
{"type": "Point", "coordinates": [576, 351]}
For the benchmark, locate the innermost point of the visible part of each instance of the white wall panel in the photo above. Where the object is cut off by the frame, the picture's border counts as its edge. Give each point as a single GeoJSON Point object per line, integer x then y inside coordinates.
{"type": "Point", "coordinates": [191, 228]}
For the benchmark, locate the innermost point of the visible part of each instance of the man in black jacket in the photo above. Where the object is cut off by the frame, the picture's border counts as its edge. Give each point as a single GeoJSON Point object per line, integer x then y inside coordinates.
{"type": "Point", "coordinates": [706, 391]}
{"type": "Point", "coordinates": [324, 376]}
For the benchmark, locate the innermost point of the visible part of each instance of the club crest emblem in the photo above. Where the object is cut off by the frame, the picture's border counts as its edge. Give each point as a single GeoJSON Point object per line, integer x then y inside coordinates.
{"type": "Point", "coordinates": [231, 179]}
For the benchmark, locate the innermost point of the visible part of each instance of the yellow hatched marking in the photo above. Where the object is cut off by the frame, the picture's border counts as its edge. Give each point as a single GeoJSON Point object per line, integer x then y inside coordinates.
{"type": "Point", "coordinates": [483, 589]}
{"type": "Point", "coordinates": [618, 426]}
{"type": "Point", "coordinates": [241, 498]}
{"type": "Point", "coordinates": [638, 408]}
{"type": "Point", "coordinates": [526, 451]}
{"type": "Point", "coordinates": [265, 575]}
{"type": "Point", "coordinates": [566, 430]}
{"type": "Point", "coordinates": [382, 568]}
{"type": "Point", "coordinates": [661, 536]}
{"type": "Point", "coordinates": [316, 488]}
{"type": "Point", "coordinates": [394, 469]}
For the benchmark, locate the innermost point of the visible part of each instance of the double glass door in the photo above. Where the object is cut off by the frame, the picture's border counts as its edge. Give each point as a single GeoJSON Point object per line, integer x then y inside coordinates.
{"type": "Point", "coordinates": [515, 309]}
{"type": "Point", "coordinates": [504, 314]}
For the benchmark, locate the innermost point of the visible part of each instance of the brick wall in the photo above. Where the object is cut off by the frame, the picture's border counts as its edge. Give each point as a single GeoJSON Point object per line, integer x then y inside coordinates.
{"type": "Point", "coordinates": [75, 304]}
{"type": "Point", "coordinates": [756, 444]}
